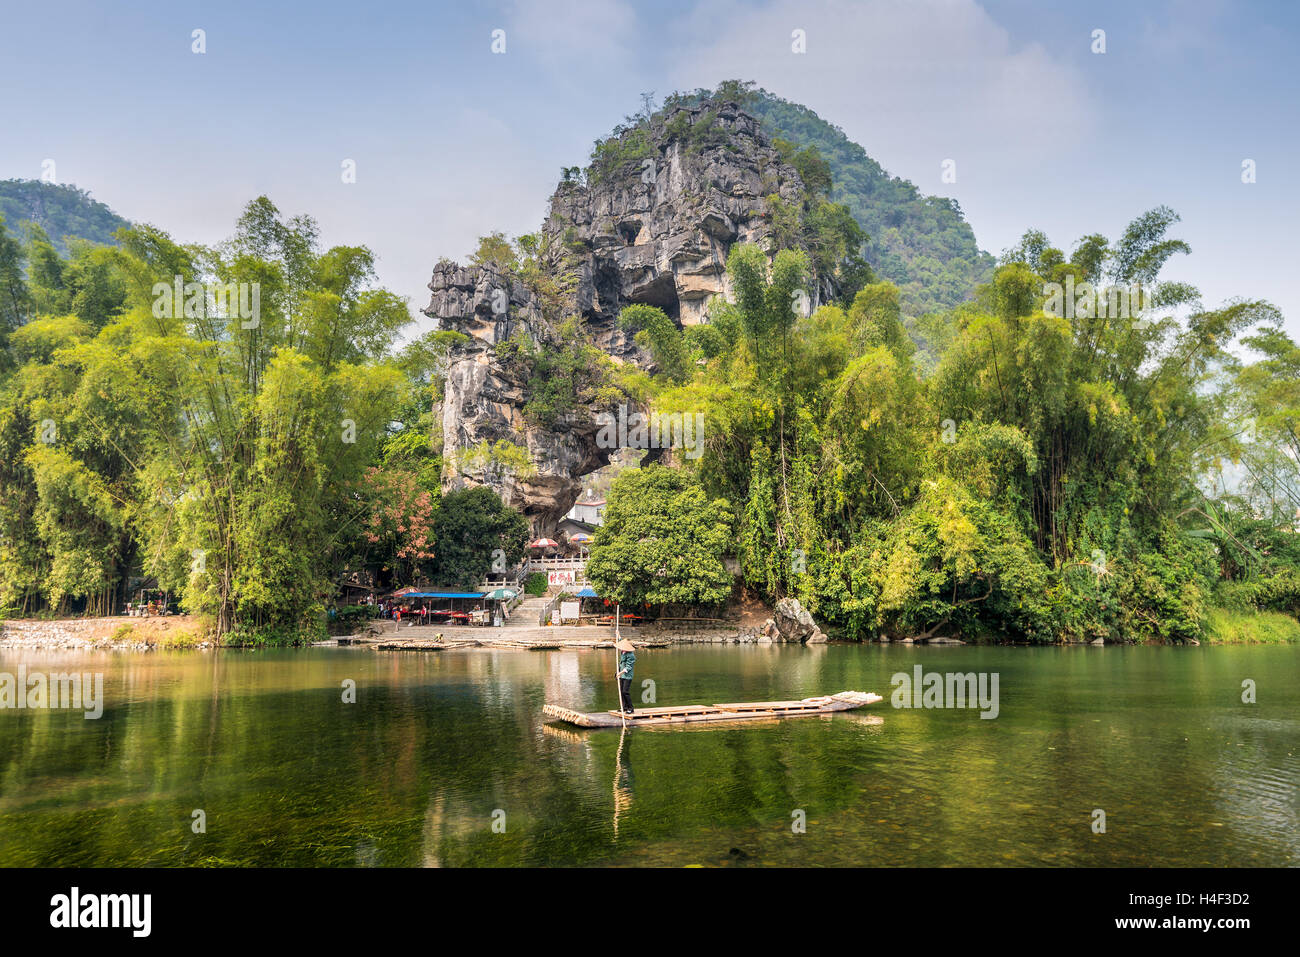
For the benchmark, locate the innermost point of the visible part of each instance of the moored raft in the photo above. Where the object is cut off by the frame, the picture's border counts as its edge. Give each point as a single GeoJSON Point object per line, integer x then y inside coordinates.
{"type": "Point", "coordinates": [734, 711]}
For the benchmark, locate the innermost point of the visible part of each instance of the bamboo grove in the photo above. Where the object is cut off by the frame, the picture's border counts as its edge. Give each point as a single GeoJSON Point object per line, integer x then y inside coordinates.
{"type": "Point", "coordinates": [1009, 469]}
{"type": "Point", "coordinates": [232, 424]}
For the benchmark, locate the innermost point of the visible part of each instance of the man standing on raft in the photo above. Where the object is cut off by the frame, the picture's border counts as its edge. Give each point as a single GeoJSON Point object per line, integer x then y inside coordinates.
{"type": "Point", "coordinates": [626, 662]}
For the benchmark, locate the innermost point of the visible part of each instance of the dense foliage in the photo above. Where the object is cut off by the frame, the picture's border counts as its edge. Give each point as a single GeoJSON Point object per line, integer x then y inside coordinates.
{"type": "Point", "coordinates": [1047, 478]}
{"type": "Point", "coordinates": [1039, 461]}
{"type": "Point", "coordinates": [232, 424]}
{"type": "Point", "coordinates": [474, 530]}
{"type": "Point", "coordinates": [662, 542]}
{"type": "Point", "coordinates": [948, 446]}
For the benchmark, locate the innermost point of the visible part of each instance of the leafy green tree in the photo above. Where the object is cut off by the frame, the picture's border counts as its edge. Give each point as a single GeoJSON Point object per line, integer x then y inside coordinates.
{"type": "Point", "coordinates": [1269, 419]}
{"type": "Point", "coordinates": [15, 298]}
{"type": "Point", "coordinates": [661, 336]}
{"type": "Point", "coordinates": [954, 560]}
{"type": "Point", "coordinates": [662, 542]}
{"type": "Point", "coordinates": [471, 526]}
{"type": "Point", "coordinates": [217, 451]}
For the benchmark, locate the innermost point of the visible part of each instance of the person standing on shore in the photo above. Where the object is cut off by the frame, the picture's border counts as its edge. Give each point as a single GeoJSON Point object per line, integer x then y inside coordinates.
{"type": "Point", "coordinates": [626, 662]}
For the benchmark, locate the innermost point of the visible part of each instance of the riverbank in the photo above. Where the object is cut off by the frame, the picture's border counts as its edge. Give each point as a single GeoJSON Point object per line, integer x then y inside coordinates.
{"type": "Point", "coordinates": [107, 634]}
{"type": "Point", "coordinates": [1227, 627]}
{"type": "Point", "coordinates": [175, 632]}
{"type": "Point", "coordinates": [387, 636]}
{"type": "Point", "coordinates": [187, 632]}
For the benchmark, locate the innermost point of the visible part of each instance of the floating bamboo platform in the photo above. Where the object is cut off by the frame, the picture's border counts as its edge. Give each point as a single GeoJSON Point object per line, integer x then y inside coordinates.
{"type": "Point", "coordinates": [737, 711]}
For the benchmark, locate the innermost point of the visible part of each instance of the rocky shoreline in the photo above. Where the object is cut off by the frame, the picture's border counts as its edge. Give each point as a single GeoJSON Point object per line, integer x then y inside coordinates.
{"type": "Point", "coordinates": [103, 634]}
{"type": "Point", "coordinates": [89, 635]}
{"type": "Point", "coordinates": [789, 624]}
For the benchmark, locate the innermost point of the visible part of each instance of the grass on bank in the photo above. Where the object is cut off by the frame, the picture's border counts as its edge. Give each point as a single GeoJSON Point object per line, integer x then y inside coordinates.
{"type": "Point", "coordinates": [1224, 626]}
{"type": "Point", "coordinates": [187, 631]}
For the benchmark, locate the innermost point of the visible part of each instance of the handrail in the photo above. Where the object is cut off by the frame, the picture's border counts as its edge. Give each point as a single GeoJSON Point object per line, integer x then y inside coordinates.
{"type": "Point", "coordinates": [544, 618]}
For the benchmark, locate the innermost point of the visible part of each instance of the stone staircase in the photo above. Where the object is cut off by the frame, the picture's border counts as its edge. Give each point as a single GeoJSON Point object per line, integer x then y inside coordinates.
{"type": "Point", "coordinates": [524, 615]}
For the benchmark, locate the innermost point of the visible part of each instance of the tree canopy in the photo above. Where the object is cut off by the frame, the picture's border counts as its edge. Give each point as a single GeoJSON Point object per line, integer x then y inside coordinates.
{"type": "Point", "coordinates": [662, 542]}
{"type": "Point", "coordinates": [1010, 468]}
{"type": "Point", "coordinates": [232, 423]}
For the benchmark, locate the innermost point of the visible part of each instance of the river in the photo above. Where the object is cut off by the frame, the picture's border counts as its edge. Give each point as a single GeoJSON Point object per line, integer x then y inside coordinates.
{"type": "Point", "coordinates": [443, 759]}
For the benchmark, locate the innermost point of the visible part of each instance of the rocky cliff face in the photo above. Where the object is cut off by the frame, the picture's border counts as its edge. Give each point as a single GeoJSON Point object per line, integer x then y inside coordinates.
{"type": "Point", "coordinates": [652, 223]}
{"type": "Point", "coordinates": [657, 228]}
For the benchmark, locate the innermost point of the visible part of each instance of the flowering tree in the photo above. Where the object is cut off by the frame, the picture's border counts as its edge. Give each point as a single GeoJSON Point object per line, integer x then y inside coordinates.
{"type": "Point", "coordinates": [397, 531]}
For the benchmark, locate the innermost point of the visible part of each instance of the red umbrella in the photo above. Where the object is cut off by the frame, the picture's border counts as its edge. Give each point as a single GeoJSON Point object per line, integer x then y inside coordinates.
{"type": "Point", "coordinates": [544, 543]}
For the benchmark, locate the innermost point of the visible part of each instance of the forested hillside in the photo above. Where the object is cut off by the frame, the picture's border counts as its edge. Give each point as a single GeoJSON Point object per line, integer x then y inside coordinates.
{"type": "Point", "coordinates": [61, 211]}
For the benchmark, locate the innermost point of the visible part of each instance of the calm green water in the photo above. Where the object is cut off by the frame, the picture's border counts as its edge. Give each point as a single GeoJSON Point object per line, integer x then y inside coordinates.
{"type": "Point", "coordinates": [436, 744]}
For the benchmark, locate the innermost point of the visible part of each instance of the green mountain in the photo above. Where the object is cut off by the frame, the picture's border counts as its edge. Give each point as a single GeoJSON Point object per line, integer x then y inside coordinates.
{"type": "Point", "coordinates": [62, 211]}
{"type": "Point", "coordinates": [921, 243]}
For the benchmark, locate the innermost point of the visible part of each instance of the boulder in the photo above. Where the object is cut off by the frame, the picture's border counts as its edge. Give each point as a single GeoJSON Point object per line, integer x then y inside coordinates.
{"type": "Point", "coordinates": [792, 622]}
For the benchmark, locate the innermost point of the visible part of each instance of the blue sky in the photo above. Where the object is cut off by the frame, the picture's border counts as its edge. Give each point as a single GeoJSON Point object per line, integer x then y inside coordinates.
{"type": "Point", "coordinates": [451, 141]}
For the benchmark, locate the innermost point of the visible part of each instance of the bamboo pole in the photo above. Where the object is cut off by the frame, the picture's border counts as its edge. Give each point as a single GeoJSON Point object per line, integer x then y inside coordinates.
{"type": "Point", "coordinates": [618, 683]}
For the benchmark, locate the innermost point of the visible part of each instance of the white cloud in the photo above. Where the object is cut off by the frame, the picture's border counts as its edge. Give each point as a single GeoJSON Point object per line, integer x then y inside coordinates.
{"type": "Point", "coordinates": [1187, 29]}
{"type": "Point", "coordinates": [914, 82]}
{"type": "Point", "coordinates": [577, 38]}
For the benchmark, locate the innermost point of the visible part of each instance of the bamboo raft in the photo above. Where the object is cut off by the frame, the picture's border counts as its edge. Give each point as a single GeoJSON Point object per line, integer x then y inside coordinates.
{"type": "Point", "coordinates": [738, 711]}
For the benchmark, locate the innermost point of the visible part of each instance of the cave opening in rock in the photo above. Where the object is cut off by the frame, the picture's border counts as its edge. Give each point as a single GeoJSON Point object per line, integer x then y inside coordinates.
{"type": "Point", "coordinates": [661, 292]}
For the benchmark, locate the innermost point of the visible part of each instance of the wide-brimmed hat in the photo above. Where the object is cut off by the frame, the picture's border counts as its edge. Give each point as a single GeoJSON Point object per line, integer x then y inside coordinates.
{"type": "Point", "coordinates": [624, 645]}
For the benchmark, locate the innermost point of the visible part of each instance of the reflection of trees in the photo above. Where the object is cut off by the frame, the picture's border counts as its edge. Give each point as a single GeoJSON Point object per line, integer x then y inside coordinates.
{"type": "Point", "coordinates": [411, 773]}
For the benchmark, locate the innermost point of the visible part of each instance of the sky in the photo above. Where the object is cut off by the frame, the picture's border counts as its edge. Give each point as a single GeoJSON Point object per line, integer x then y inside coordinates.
{"type": "Point", "coordinates": [451, 140]}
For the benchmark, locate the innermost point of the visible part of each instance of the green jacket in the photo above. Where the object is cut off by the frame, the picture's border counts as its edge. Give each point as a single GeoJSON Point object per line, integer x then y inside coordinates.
{"type": "Point", "coordinates": [626, 660]}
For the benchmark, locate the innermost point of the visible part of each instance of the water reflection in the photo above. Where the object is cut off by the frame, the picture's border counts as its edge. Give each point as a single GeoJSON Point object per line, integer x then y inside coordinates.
{"type": "Point", "coordinates": [622, 775]}
{"type": "Point", "coordinates": [438, 747]}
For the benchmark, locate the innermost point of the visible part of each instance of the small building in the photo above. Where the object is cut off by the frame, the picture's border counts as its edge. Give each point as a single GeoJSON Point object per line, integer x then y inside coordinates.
{"type": "Point", "coordinates": [357, 588]}
{"type": "Point", "coordinates": [569, 527]}
{"type": "Point", "coordinates": [588, 511]}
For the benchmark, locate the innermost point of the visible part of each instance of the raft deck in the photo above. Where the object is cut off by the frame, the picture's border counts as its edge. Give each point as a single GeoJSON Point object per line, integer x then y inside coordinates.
{"type": "Point", "coordinates": [736, 711]}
